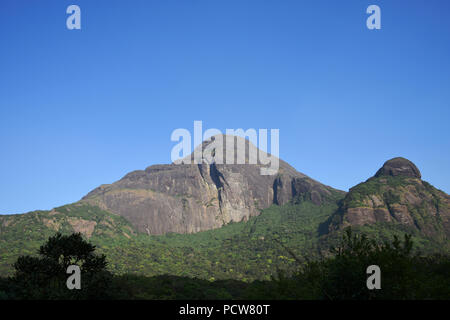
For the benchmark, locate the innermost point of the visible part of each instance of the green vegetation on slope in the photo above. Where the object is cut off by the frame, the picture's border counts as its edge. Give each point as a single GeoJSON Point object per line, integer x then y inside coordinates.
{"type": "Point", "coordinates": [396, 203]}
{"type": "Point", "coordinates": [273, 242]}
{"type": "Point", "coordinates": [247, 250]}
{"type": "Point", "coordinates": [341, 276]}
{"type": "Point", "coordinates": [22, 234]}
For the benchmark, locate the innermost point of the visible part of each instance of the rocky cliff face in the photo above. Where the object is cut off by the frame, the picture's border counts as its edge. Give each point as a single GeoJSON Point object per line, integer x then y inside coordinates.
{"type": "Point", "coordinates": [186, 198]}
{"type": "Point", "coordinates": [396, 194]}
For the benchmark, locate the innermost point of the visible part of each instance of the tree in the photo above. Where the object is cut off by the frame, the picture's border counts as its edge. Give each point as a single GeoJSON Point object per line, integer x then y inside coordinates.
{"type": "Point", "coordinates": [346, 272]}
{"type": "Point", "coordinates": [44, 277]}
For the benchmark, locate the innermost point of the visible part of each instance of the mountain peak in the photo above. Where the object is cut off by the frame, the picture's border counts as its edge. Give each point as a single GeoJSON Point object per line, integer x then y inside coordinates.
{"type": "Point", "coordinates": [191, 197]}
{"type": "Point", "coordinates": [399, 167]}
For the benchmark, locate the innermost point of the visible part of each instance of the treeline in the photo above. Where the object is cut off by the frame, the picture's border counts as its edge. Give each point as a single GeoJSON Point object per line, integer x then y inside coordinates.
{"type": "Point", "coordinates": [404, 274]}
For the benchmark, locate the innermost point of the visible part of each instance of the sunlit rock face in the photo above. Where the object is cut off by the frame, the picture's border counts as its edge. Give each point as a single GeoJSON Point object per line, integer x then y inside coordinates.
{"type": "Point", "coordinates": [192, 197]}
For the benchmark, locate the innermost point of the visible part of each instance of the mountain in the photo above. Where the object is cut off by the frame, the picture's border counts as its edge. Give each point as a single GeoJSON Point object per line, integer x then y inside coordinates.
{"type": "Point", "coordinates": [187, 198]}
{"type": "Point", "coordinates": [396, 195]}
{"type": "Point", "coordinates": [147, 222]}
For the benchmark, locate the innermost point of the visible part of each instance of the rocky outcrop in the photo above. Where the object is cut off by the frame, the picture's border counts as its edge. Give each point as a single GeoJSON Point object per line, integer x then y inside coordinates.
{"type": "Point", "coordinates": [190, 197]}
{"type": "Point", "coordinates": [85, 227]}
{"type": "Point", "coordinates": [399, 167]}
{"type": "Point", "coordinates": [396, 194]}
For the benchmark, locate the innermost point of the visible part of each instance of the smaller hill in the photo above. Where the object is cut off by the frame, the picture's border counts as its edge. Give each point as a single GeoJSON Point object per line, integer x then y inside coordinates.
{"type": "Point", "coordinates": [396, 195]}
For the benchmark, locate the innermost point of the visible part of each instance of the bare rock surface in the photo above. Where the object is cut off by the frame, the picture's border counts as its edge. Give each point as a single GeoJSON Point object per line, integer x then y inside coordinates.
{"type": "Point", "coordinates": [192, 197]}
{"type": "Point", "coordinates": [399, 167]}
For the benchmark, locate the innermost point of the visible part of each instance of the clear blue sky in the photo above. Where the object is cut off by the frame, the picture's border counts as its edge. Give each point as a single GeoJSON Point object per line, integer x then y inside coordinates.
{"type": "Point", "coordinates": [83, 108]}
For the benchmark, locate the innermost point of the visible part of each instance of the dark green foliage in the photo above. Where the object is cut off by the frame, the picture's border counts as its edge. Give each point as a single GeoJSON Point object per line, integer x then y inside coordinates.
{"type": "Point", "coordinates": [346, 273]}
{"type": "Point", "coordinates": [404, 275]}
{"type": "Point", "coordinates": [44, 277]}
{"type": "Point", "coordinates": [340, 276]}
{"type": "Point", "coordinates": [72, 249]}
